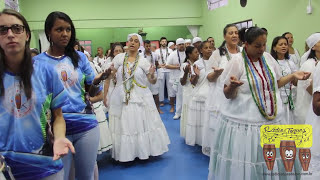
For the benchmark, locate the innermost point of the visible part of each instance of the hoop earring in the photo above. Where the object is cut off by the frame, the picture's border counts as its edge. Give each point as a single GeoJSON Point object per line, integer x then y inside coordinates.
{"type": "Point", "coordinates": [51, 43]}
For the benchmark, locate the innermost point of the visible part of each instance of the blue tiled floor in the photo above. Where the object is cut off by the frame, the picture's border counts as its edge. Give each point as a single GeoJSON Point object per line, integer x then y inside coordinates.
{"type": "Point", "coordinates": [181, 162]}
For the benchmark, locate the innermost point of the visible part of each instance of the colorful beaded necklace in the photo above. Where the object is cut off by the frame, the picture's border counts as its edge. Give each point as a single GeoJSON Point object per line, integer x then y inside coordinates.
{"type": "Point", "coordinates": [254, 79]}
{"type": "Point", "coordinates": [128, 76]}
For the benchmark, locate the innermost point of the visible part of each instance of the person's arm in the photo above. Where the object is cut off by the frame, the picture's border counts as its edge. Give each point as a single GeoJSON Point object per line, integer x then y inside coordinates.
{"type": "Point", "coordinates": [213, 76]}
{"type": "Point", "coordinates": [95, 87]}
{"type": "Point", "coordinates": [310, 88]}
{"type": "Point", "coordinates": [151, 77]}
{"type": "Point", "coordinates": [61, 144]}
{"type": "Point", "coordinates": [298, 75]}
{"type": "Point", "coordinates": [194, 78]}
{"type": "Point", "coordinates": [97, 98]}
{"type": "Point", "coordinates": [316, 103]}
{"type": "Point", "coordinates": [230, 91]}
{"type": "Point", "coordinates": [183, 80]}
{"type": "Point", "coordinates": [171, 66]}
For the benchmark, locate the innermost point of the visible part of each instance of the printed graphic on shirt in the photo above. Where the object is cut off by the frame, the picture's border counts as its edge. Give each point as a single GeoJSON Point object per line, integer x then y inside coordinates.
{"type": "Point", "coordinates": [16, 103]}
{"type": "Point", "coordinates": [68, 75]}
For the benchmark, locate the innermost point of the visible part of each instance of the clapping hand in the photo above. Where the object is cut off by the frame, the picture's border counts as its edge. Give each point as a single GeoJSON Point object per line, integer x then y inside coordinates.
{"type": "Point", "coordinates": [152, 69]}
{"type": "Point", "coordinates": [196, 70]}
{"type": "Point", "coordinates": [187, 69]}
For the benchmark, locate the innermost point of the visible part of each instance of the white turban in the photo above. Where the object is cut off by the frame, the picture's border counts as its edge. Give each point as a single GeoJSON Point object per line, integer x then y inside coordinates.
{"type": "Point", "coordinates": [196, 39]}
{"type": "Point", "coordinates": [312, 40]}
{"type": "Point", "coordinates": [170, 44]}
{"type": "Point", "coordinates": [188, 41]}
{"type": "Point", "coordinates": [180, 41]}
{"type": "Point", "coordinates": [139, 37]}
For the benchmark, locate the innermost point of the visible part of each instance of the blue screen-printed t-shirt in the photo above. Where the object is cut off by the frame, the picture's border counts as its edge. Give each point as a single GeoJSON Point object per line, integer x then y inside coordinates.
{"type": "Point", "coordinates": [24, 141]}
{"type": "Point", "coordinates": [74, 80]}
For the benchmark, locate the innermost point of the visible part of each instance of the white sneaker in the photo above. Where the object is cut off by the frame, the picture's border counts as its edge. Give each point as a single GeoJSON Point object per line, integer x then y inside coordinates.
{"type": "Point", "coordinates": [176, 116]}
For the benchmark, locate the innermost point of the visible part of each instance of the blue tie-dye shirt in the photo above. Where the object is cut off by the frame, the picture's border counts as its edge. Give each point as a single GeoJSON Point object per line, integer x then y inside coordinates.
{"type": "Point", "coordinates": [74, 80]}
{"type": "Point", "coordinates": [24, 139]}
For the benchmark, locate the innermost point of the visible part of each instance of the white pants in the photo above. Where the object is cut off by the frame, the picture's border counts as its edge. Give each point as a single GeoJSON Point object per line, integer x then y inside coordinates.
{"type": "Point", "coordinates": [165, 81]}
{"type": "Point", "coordinates": [179, 99]}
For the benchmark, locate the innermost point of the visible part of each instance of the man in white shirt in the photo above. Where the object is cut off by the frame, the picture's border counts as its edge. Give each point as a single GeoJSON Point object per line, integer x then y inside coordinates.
{"type": "Point", "coordinates": [175, 60]}
{"type": "Point", "coordinates": [152, 58]}
{"type": "Point", "coordinates": [100, 59]}
{"type": "Point", "coordinates": [164, 74]}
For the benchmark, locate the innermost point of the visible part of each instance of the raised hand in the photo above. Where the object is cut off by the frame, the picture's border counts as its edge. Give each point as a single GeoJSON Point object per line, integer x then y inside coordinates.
{"type": "Point", "coordinates": [301, 75]}
{"type": "Point", "coordinates": [196, 70]}
{"type": "Point", "coordinates": [152, 69]}
{"type": "Point", "coordinates": [187, 68]}
{"type": "Point", "coordinates": [218, 70]}
{"type": "Point", "coordinates": [234, 82]}
{"type": "Point", "coordinates": [61, 147]}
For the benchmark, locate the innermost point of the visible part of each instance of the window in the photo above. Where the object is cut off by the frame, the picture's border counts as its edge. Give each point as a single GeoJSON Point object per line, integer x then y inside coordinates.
{"type": "Point", "coordinates": [87, 44]}
{"type": "Point", "coordinates": [12, 4]}
{"type": "Point", "coordinates": [214, 4]}
{"type": "Point", "coordinates": [244, 24]}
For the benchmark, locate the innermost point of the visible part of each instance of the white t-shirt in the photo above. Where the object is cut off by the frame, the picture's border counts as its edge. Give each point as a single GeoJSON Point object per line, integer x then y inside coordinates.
{"type": "Point", "coordinates": [163, 55]}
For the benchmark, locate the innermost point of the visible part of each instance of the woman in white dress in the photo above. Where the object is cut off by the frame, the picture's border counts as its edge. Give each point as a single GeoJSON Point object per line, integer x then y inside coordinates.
{"type": "Point", "coordinates": [216, 98]}
{"type": "Point", "coordinates": [293, 52]}
{"type": "Point", "coordinates": [279, 51]}
{"type": "Point", "coordinates": [135, 124]}
{"type": "Point", "coordinates": [304, 88]}
{"type": "Point", "coordinates": [105, 137]}
{"type": "Point", "coordinates": [314, 120]}
{"type": "Point", "coordinates": [199, 94]}
{"type": "Point", "coordinates": [187, 77]}
{"type": "Point", "coordinates": [236, 151]}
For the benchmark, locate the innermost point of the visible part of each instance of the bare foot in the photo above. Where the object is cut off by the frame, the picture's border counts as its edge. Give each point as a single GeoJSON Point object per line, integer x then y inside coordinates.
{"type": "Point", "coordinates": [171, 110]}
{"type": "Point", "coordinates": [161, 104]}
{"type": "Point", "coordinates": [160, 111]}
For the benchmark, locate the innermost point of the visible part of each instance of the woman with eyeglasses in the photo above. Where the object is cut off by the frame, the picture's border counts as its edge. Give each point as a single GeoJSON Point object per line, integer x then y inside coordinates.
{"type": "Point", "coordinates": [76, 75]}
{"type": "Point", "coordinates": [31, 98]}
{"type": "Point", "coordinates": [135, 124]}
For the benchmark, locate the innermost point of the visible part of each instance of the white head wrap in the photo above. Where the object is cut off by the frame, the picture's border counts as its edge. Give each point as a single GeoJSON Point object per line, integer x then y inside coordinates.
{"type": "Point", "coordinates": [170, 44]}
{"type": "Point", "coordinates": [312, 40]}
{"type": "Point", "coordinates": [139, 37]}
{"type": "Point", "coordinates": [196, 39]}
{"type": "Point", "coordinates": [180, 41]}
{"type": "Point", "coordinates": [188, 41]}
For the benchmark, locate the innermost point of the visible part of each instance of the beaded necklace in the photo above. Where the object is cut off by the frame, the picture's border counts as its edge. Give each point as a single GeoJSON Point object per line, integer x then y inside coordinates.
{"type": "Point", "coordinates": [167, 54]}
{"type": "Point", "coordinates": [128, 76]}
{"type": "Point", "coordinates": [253, 80]}
{"type": "Point", "coordinates": [228, 54]}
{"type": "Point", "coordinates": [152, 60]}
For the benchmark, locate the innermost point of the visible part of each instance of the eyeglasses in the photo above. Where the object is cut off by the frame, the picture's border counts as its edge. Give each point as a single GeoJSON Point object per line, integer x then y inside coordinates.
{"type": "Point", "coordinates": [16, 29]}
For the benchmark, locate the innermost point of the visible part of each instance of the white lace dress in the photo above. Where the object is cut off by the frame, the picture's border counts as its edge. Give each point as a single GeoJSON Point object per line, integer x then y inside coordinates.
{"type": "Point", "coordinates": [137, 129]}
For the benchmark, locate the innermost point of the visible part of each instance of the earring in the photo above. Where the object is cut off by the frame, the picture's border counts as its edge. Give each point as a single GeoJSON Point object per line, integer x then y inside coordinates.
{"type": "Point", "coordinates": [51, 43]}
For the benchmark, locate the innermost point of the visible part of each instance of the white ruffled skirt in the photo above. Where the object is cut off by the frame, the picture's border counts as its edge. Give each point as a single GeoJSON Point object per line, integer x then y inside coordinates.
{"type": "Point", "coordinates": [236, 153]}
{"type": "Point", "coordinates": [195, 121]}
{"type": "Point", "coordinates": [105, 136]}
{"type": "Point", "coordinates": [138, 131]}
